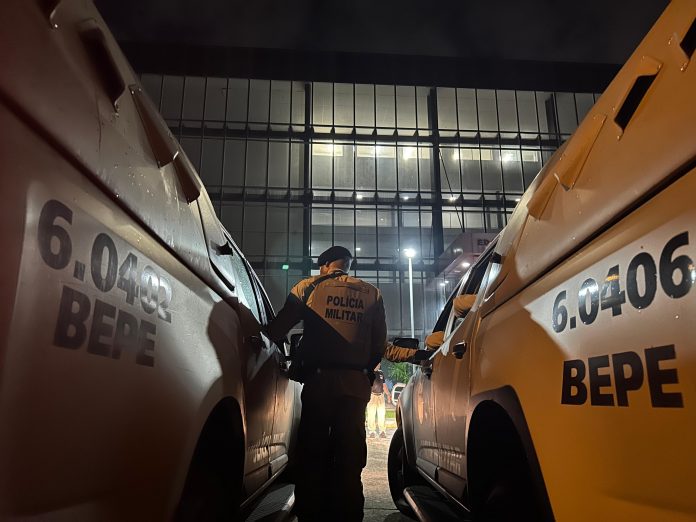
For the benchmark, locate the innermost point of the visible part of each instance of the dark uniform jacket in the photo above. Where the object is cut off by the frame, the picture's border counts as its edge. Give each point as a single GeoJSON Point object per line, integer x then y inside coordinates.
{"type": "Point", "coordinates": [378, 383]}
{"type": "Point", "coordinates": [396, 353]}
{"type": "Point", "coordinates": [344, 331]}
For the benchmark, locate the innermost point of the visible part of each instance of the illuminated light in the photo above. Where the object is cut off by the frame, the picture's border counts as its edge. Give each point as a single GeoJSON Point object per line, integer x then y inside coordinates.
{"type": "Point", "coordinates": [474, 154]}
{"type": "Point", "coordinates": [405, 198]}
{"type": "Point", "coordinates": [466, 264]}
{"type": "Point", "coordinates": [370, 151]}
{"type": "Point", "coordinates": [359, 196]}
{"type": "Point", "coordinates": [326, 149]}
{"type": "Point", "coordinates": [518, 199]}
{"type": "Point", "coordinates": [443, 284]}
{"type": "Point", "coordinates": [357, 249]}
{"type": "Point", "coordinates": [286, 267]}
{"type": "Point", "coordinates": [410, 253]}
{"type": "Point", "coordinates": [453, 198]}
{"type": "Point", "coordinates": [384, 151]}
{"type": "Point", "coordinates": [508, 156]}
{"type": "Point", "coordinates": [592, 288]}
{"type": "Point", "coordinates": [458, 251]}
{"type": "Point", "coordinates": [408, 152]}
{"type": "Point", "coordinates": [530, 155]}
{"type": "Point", "coordinates": [365, 151]}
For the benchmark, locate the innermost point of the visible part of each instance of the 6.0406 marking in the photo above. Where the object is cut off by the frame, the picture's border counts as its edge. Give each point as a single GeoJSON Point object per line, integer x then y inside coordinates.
{"type": "Point", "coordinates": [676, 277]}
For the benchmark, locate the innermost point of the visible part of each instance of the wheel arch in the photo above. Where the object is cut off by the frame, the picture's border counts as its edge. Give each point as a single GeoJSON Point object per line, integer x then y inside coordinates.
{"type": "Point", "coordinates": [497, 409]}
{"type": "Point", "coordinates": [219, 448]}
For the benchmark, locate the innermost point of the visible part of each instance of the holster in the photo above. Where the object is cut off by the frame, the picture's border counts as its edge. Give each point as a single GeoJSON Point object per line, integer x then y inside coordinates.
{"type": "Point", "coordinates": [297, 371]}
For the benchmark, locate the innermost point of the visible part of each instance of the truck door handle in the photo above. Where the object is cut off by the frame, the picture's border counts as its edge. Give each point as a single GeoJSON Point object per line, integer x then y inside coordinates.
{"type": "Point", "coordinates": [459, 349]}
{"type": "Point", "coordinates": [222, 250]}
{"type": "Point", "coordinates": [103, 60]}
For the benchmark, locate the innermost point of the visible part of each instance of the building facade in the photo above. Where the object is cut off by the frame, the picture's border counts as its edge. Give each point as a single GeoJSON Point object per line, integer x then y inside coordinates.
{"type": "Point", "coordinates": [294, 167]}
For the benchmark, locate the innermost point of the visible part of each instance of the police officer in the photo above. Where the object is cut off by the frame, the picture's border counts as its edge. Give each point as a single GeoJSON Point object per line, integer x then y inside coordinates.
{"type": "Point", "coordinates": [343, 340]}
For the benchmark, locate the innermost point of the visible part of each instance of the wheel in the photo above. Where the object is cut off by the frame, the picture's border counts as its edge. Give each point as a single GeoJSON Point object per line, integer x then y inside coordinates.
{"type": "Point", "coordinates": [206, 497]}
{"type": "Point", "coordinates": [213, 487]}
{"type": "Point", "coordinates": [507, 495]}
{"type": "Point", "coordinates": [501, 486]}
{"type": "Point", "coordinates": [400, 474]}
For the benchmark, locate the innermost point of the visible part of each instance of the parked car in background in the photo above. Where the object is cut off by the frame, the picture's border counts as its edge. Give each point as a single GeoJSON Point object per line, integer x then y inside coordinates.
{"type": "Point", "coordinates": [134, 380]}
{"type": "Point", "coordinates": [396, 392]}
{"type": "Point", "coordinates": [565, 389]}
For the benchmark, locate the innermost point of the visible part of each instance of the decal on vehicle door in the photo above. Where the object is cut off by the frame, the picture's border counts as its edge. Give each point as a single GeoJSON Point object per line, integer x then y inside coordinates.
{"type": "Point", "coordinates": [676, 272]}
{"type": "Point", "coordinates": [622, 373]}
{"type": "Point", "coordinates": [112, 271]}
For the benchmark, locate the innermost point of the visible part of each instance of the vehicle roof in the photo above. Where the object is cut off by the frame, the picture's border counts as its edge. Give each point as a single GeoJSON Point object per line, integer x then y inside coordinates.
{"type": "Point", "coordinates": [608, 167]}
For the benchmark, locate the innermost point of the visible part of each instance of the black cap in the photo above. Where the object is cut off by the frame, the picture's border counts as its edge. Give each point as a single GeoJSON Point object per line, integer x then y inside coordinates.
{"type": "Point", "coordinates": [332, 254]}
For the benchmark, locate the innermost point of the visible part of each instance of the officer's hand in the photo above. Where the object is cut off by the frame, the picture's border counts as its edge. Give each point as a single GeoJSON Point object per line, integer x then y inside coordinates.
{"type": "Point", "coordinates": [435, 340]}
{"type": "Point", "coordinates": [421, 355]}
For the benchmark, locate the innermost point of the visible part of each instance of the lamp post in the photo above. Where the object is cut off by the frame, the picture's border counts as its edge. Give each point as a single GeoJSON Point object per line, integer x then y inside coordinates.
{"type": "Point", "coordinates": [410, 253]}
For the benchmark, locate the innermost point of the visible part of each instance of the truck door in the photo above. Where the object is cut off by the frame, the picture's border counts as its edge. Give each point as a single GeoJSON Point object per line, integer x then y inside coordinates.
{"type": "Point", "coordinates": [285, 413]}
{"type": "Point", "coordinates": [258, 368]}
{"type": "Point", "coordinates": [259, 374]}
{"type": "Point", "coordinates": [451, 384]}
{"type": "Point", "coordinates": [423, 405]}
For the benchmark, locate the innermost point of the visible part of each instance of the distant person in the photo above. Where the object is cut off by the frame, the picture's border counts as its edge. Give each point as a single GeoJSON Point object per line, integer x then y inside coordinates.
{"type": "Point", "coordinates": [376, 406]}
{"type": "Point", "coordinates": [343, 340]}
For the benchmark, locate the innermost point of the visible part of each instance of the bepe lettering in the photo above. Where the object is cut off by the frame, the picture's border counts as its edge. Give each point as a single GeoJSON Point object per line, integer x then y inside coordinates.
{"type": "Point", "coordinates": [112, 330]}
{"type": "Point", "coordinates": [626, 373]}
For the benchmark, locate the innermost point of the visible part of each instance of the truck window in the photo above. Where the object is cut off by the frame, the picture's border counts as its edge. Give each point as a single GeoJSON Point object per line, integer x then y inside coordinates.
{"type": "Point", "coordinates": [244, 288]}
{"type": "Point", "coordinates": [473, 283]}
{"type": "Point", "coordinates": [441, 323]}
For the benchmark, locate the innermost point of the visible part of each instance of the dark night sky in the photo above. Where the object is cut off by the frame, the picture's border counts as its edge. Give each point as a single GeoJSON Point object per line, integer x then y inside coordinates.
{"type": "Point", "coordinates": [411, 33]}
{"type": "Point", "coordinates": [594, 31]}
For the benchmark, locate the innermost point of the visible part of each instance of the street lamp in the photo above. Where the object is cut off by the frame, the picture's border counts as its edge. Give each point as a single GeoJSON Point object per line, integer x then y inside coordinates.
{"type": "Point", "coordinates": [410, 254]}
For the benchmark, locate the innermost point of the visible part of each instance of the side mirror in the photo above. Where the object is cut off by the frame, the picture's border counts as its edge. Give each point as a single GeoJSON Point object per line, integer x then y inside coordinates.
{"type": "Point", "coordinates": [406, 342]}
{"type": "Point", "coordinates": [295, 340]}
{"type": "Point", "coordinates": [463, 303]}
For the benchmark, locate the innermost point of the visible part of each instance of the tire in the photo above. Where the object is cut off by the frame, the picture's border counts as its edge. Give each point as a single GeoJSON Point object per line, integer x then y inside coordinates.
{"type": "Point", "coordinates": [508, 495]}
{"type": "Point", "coordinates": [213, 487]}
{"type": "Point", "coordinates": [400, 474]}
{"type": "Point", "coordinates": [501, 484]}
{"type": "Point", "coordinates": [206, 497]}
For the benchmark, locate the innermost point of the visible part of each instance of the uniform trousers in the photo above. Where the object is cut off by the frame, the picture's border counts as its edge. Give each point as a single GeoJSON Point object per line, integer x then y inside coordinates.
{"type": "Point", "coordinates": [331, 453]}
{"type": "Point", "coordinates": [376, 406]}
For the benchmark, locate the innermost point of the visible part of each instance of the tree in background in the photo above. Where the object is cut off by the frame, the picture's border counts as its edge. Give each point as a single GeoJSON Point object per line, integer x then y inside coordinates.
{"type": "Point", "coordinates": [396, 372]}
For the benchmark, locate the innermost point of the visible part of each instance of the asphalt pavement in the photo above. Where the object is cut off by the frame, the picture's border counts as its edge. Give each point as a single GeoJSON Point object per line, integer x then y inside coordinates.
{"type": "Point", "coordinates": [379, 506]}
